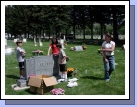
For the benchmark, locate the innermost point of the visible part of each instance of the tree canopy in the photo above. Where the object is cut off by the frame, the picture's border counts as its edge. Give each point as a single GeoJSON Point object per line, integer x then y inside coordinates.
{"type": "Point", "coordinates": [52, 19]}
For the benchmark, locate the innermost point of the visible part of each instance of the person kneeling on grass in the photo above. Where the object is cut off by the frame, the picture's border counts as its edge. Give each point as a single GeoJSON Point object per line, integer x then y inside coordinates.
{"type": "Point", "coordinates": [20, 53]}
{"type": "Point", "coordinates": [62, 62]}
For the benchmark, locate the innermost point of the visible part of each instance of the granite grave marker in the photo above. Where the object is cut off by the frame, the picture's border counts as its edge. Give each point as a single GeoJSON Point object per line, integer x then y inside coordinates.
{"type": "Point", "coordinates": [46, 65]}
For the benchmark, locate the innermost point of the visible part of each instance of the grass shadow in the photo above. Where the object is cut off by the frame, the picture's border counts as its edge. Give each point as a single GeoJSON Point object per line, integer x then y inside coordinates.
{"type": "Point", "coordinates": [12, 76]}
{"type": "Point", "coordinates": [92, 77]}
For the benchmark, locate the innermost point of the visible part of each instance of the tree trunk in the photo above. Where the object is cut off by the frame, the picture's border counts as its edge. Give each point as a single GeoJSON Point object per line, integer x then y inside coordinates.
{"type": "Point", "coordinates": [66, 32]}
{"type": "Point", "coordinates": [83, 31]}
{"type": "Point", "coordinates": [49, 35]}
{"type": "Point", "coordinates": [74, 24]}
{"type": "Point", "coordinates": [91, 25]}
{"type": "Point", "coordinates": [28, 35]}
{"type": "Point", "coordinates": [101, 31]}
{"type": "Point", "coordinates": [43, 33]}
{"type": "Point", "coordinates": [8, 35]}
{"type": "Point", "coordinates": [11, 35]}
{"type": "Point", "coordinates": [25, 33]}
{"type": "Point", "coordinates": [115, 32]}
{"type": "Point", "coordinates": [91, 30]}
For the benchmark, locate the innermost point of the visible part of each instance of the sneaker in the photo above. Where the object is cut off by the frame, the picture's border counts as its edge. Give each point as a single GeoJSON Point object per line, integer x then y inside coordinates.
{"type": "Point", "coordinates": [61, 80]}
{"type": "Point", "coordinates": [21, 77]}
{"type": "Point", "coordinates": [107, 80]}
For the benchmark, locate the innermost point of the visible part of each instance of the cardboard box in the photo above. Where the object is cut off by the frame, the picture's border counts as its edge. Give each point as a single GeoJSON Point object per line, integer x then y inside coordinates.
{"type": "Point", "coordinates": [41, 84]}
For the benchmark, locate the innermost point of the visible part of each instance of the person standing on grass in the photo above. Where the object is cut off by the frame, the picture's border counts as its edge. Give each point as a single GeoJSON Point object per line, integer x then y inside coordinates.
{"type": "Point", "coordinates": [20, 54]}
{"type": "Point", "coordinates": [53, 46]}
{"type": "Point", "coordinates": [108, 47]}
{"type": "Point", "coordinates": [62, 62]}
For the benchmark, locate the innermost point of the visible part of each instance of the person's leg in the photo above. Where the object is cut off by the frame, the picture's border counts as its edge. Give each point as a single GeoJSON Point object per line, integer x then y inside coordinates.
{"type": "Point", "coordinates": [21, 66]}
{"type": "Point", "coordinates": [65, 70]}
{"type": "Point", "coordinates": [21, 73]}
{"type": "Point", "coordinates": [111, 64]}
{"type": "Point", "coordinates": [63, 73]}
{"type": "Point", "coordinates": [60, 66]}
{"type": "Point", "coordinates": [106, 72]}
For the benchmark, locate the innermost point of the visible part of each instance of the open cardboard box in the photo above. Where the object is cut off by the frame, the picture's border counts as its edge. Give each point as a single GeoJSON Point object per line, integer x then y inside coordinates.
{"type": "Point", "coordinates": [41, 84]}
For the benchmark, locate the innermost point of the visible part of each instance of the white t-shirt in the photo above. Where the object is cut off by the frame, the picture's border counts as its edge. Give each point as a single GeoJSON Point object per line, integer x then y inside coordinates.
{"type": "Point", "coordinates": [108, 46]}
{"type": "Point", "coordinates": [61, 55]}
{"type": "Point", "coordinates": [19, 54]}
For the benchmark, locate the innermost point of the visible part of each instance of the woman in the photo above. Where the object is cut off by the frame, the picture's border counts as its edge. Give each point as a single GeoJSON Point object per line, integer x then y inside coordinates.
{"type": "Point", "coordinates": [108, 47]}
{"type": "Point", "coordinates": [53, 46]}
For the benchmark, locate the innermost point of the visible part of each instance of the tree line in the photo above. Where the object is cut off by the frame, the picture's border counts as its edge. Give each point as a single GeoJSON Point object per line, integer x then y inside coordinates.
{"type": "Point", "coordinates": [51, 19]}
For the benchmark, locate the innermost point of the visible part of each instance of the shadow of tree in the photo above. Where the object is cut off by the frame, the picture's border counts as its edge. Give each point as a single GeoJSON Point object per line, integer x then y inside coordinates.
{"type": "Point", "coordinates": [12, 76]}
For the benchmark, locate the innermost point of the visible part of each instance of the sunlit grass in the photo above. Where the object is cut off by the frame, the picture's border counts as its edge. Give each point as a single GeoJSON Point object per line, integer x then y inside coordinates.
{"type": "Point", "coordinates": [90, 83]}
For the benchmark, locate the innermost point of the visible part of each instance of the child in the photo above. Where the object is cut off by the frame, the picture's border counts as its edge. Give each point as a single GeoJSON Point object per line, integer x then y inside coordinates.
{"type": "Point", "coordinates": [62, 62]}
{"type": "Point", "coordinates": [20, 53]}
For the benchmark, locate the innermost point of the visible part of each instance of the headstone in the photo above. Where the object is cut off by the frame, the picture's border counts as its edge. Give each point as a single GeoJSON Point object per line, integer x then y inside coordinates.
{"type": "Point", "coordinates": [35, 42]}
{"type": "Point", "coordinates": [64, 38]}
{"type": "Point", "coordinates": [15, 40]}
{"type": "Point", "coordinates": [62, 43]}
{"type": "Point", "coordinates": [24, 40]}
{"type": "Point", "coordinates": [9, 51]}
{"type": "Point", "coordinates": [40, 43]}
{"type": "Point", "coordinates": [6, 42]}
{"type": "Point", "coordinates": [46, 65]}
{"type": "Point", "coordinates": [78, 48]}
{"type": "Point", "coordinates": [21, 83]}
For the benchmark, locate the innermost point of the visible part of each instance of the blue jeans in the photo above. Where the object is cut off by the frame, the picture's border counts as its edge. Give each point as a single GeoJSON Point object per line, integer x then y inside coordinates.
{"type": "Point", "coordinates": [109, 66]}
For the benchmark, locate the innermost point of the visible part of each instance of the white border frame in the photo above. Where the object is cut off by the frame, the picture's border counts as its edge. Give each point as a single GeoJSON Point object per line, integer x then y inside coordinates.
{"type": "Point", "coordinates": [126, 3]}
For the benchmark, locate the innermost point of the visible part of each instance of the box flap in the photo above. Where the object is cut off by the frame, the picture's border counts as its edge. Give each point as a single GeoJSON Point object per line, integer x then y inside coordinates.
{"type": "Point", "coordinates": [33, 81]}
{"type": "Point", "coordinates": [50, 81]}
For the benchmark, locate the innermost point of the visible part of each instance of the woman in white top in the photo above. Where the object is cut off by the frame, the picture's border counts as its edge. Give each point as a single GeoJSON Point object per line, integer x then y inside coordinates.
{"type": "Point", "coordinates": [108, 47]}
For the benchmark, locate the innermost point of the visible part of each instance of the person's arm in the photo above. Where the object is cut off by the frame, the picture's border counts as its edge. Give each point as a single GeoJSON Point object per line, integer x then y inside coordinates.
{"type": "Point", "coordinates": [109, 50]}
{"type": "Point", "coordinates": [49, 50]}
{"type": "Point", "coordinates": [21, 50]}
{"type": "Point", "coordinates": [64, 56]}
{"type": "Point", "coordinates": [63, 59]}
{"type": "Point", "coordinates": [103, 53]}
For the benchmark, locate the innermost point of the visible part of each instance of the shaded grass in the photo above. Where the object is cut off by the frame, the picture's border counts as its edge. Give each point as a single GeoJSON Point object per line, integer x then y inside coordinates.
{"type": "Point", "coordinates": [90, 83]}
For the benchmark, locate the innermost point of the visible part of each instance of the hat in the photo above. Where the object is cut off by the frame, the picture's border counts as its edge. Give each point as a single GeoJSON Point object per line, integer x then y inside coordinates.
{"type": "Point", "coordinates": [19, 41]}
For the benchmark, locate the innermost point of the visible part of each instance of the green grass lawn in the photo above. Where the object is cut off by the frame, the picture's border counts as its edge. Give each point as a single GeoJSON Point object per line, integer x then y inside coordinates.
{"type": "Point", "coordinates": [90, 83]}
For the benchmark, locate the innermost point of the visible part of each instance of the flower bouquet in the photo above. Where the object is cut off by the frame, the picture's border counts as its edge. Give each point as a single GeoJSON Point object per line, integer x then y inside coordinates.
{"type": "Point", "coordinates": [84, 47]}
{"type": "Point", "coordinates": [70, 71]}
{"type": "Point", "coordinates": [99, 51]}
{"type": "Point", "coordinates": [72, 49]}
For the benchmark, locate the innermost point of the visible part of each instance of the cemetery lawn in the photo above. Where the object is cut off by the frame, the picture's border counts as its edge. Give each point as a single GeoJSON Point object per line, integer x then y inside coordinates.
{"type": "Point", "coordinates": [90, 83]}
